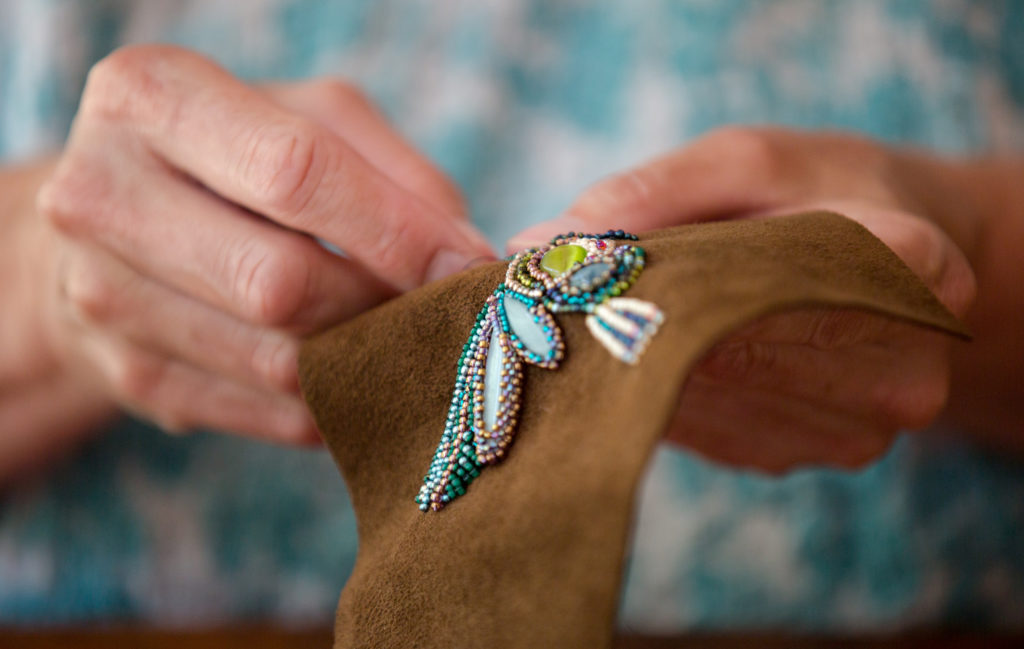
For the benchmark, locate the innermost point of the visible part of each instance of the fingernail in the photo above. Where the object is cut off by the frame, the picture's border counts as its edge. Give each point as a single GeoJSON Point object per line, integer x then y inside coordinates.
{"type": "Point", "coordinates": [447, 262]}
{"type": "Point", "coordinates": [480, 261]}
{"type": "Point", "coordinates": [542, 232]}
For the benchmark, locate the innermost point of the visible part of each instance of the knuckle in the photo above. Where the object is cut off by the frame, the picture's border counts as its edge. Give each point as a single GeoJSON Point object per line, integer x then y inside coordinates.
{"type": "Point", "coordinates": [105, 85]}
{"type": "Point", "coordinates": [913, 407]}
{"type": "Point", "coordinates": [271, 282]}
{"type": "Point", "coordinates": [90, 294]}
{"type": "Point", "coordinates": [137, 377]}
{"type": "Point", "coordinates": [55, 202]}
{"type": "Point", "coordinates": [275, 359]}
{"type": "Point", "coordinates": [297, 429]}
{"type": "Point", "coordinates": [283, 166]}
{"type": "Point", "coordinates": [75, 199]}
{"type": "Point", "coordinates": [129, 82]}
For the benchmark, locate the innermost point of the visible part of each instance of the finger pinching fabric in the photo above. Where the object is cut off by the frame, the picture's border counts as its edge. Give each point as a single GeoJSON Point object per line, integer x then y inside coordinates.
{"type": "Point", "coordinates": [574, 273]}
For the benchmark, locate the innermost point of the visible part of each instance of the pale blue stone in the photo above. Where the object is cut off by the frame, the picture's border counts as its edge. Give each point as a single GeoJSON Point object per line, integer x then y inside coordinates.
{"type": "Point", "coordinates": [585, 277]}
{"type": "Point", "coordinates": [492, 380]}
{"type": "Point", "coordinates": [523, 325]}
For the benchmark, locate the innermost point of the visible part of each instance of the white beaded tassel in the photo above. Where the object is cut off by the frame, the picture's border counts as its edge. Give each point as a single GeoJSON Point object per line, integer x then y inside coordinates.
{"type": "Point", "coordinates": [609, 315]}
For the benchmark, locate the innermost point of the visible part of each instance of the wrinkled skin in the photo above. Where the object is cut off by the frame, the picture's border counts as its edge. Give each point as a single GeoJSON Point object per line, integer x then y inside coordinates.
{"type": "Point", "coordinates": [170, 263]}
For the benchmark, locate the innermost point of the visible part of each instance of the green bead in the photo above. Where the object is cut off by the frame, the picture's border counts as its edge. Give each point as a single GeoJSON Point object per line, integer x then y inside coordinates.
{"type": "Point", "coordinates": [558, 260]}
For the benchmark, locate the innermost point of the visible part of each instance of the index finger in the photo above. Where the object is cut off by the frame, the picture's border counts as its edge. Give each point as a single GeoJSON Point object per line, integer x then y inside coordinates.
{"type": "Point", "coordinates": [234, 140]}
{"type": "Point", "coordinates": [727, 172]}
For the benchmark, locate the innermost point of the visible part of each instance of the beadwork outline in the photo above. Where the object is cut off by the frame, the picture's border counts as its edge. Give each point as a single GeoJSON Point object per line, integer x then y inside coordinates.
{"type": "Point", "coordinates": [624, 326]}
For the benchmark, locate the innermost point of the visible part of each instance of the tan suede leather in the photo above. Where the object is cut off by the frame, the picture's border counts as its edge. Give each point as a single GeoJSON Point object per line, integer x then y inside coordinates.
{"type": "Point", "coordinates": [532, 555]}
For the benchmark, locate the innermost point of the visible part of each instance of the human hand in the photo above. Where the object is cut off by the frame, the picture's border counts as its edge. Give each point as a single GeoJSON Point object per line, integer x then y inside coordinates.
{"type": "Point", "coordinates": [813, 386]}
{"type": "Point", "coordinates": [183, 264]}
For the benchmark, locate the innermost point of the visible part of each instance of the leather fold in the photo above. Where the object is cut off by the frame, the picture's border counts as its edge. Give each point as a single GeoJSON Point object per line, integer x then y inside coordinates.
{"type": "Point", "coordinates": [533, 554]}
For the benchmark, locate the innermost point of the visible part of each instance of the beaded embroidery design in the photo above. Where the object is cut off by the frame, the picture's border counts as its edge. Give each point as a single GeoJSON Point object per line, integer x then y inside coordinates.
{"type": "Point", "coordinates": [573, 273]}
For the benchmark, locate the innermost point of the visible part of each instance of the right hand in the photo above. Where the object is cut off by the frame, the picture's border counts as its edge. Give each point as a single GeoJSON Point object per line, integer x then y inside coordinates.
{"type": "Point", "coordinates": [183, 264]}
{"type": "Point", "coordinates": [823, 386]}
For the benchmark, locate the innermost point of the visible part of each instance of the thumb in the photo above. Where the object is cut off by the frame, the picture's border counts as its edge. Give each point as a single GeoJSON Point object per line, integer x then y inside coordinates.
{"type": "Point", "coordinates": [725, 173]}
{"type": "Point", "coordinates": [618, 202]}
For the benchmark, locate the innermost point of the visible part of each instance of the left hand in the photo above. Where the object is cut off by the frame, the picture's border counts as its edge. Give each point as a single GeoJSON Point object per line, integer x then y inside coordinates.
{"type": "Point", "coordinates": [813, 386]}
{"type": "Point", "coordinates": [179, 264]}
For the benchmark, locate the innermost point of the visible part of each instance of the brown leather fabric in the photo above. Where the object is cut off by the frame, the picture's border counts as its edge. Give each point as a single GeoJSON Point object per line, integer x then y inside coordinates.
{"type": "Point", "coordinates": [532, 555]}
